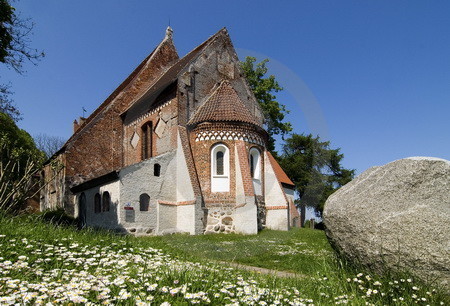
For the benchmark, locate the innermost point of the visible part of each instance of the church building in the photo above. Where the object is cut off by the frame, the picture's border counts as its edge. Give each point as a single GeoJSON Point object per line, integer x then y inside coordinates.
{"type": "Point", "coordinates": [179, 146]}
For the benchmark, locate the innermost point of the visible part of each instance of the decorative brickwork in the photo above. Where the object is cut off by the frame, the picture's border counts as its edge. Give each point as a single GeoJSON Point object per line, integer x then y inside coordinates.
{"type": "Point", "coordinates": [167, 141]}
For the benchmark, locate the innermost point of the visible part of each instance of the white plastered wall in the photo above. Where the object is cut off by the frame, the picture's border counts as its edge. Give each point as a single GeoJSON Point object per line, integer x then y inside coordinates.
{"type": "Point", "coordinates": [277, 219]}
{"type": "Point", "coordinates": [185, 193]}
{"type": "Point", "coordinates": [108, 219]}
{"type": "Point", "coordinates": [245, 215]}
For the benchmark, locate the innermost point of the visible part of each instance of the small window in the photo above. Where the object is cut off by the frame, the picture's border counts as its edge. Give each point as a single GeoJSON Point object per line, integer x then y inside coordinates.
{"type": "Point", "coordinates": [147, 140]}
{"type": "Point", "coordinates": [144, 202]}
{"type": "Point", "coordinates": [255, 163]}
{"type": "Point", "coordinates": [219, 163]}
{"type": "Point", "coordinates": [97, 203]}
{"type": "Point", "coordinates": [157, 170]}
{"type": "Point", "coordinates": [220, 168]}
{"type": "Point", "coordinates": [106, 201]}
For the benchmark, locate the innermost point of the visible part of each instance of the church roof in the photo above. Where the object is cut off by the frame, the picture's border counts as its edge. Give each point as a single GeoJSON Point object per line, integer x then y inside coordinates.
{"type": "Point", "coordinates": [223, 105]}
{"type": "Point", "coordinates": [152, 57]}
{"type": "Point", "coordinates": [279, 172]}
{"type": "Point", "coordinates": [145, 103]}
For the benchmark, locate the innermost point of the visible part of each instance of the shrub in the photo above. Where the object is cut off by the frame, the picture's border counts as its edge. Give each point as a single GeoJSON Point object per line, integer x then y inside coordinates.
{"type": "Point", "coordinates": [58, 217]}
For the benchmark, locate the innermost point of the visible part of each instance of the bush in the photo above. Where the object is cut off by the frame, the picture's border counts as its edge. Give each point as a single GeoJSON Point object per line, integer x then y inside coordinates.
{"type": "Point", "coordinates": [320, 226]}
{"type": "Point", "coordinates": [58, 217]}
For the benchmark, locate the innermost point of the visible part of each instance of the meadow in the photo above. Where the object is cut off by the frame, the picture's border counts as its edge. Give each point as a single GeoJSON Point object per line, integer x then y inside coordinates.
{"type": "Point", "coordinates": [44, 264]}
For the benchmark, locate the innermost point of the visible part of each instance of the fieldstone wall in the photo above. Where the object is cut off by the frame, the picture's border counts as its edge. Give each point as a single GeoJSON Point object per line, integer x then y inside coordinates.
{"type": "Point", "coordinates": [220, 220]}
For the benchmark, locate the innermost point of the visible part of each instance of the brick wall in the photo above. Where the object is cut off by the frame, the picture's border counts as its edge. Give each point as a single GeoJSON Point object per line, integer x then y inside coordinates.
{"type": "Point", "coordinates": [97, 147]}
{"type": "Point", "coordinates": [165, 110]}
{"type": "Point", "coordinates": [201, 151]}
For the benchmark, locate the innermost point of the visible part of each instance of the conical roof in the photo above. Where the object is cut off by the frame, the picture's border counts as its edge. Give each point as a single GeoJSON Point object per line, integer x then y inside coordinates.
{"type": "Point", "coordinates": [223, 105]}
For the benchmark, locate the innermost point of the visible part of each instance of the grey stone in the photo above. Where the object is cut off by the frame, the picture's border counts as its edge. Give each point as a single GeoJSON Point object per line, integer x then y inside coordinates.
{"type": "Point", "coordinates": [212, 221]}
{"type": "Point", "coordinates": [227, 221]}
{"type": "Point", "coordinates": [217, 227]}
{"type": "Point", "coordinates": [396, 217]}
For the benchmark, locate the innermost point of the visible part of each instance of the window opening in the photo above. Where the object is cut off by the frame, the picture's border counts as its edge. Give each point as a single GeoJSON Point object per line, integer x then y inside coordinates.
{"type": "Point", "coordinates": [147, 140]}
{"type": "Point", "coordinates": [144, 202]}
{"type": "Point", "coordinates": [219, 163]}
{"type": "Point", "coordinates": [157, 170]}
{"type": "Point", "coordinates": [106, 201]}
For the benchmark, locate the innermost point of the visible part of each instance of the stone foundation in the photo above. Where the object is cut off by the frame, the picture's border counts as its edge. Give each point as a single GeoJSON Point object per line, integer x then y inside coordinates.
{"type": "Point", "coordinates": [220, 221]}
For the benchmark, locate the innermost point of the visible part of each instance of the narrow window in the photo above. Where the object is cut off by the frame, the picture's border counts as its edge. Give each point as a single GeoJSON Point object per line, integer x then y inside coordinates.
{"type": "Point", "coordinates": [147, 140]}
{"type": "Point", "coordinates": [144, 202]}
{"type": "Point", "coordinates": [255, 167]}
{"type": "Point", "coordinates": [255, 170]}
{"type": "Point", "coordinates": [97, 203]}
{"type": "Point", "coordinates": [220, 168]}
{"type": "Point", "coordinates": [157, 170]}
{"type": "Point", "coordinates": [106, 201]}
{"type": "Point", "coordinates": [219, 163]}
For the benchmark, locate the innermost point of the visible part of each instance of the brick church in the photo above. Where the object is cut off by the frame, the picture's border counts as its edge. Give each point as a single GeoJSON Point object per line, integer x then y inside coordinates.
{"type": "Point", "coordinates": [179, 146]}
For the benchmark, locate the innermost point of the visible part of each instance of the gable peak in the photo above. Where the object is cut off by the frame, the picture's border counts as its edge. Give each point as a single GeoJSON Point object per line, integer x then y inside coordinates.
{"type": "Point", "coordinates": [169, 33]}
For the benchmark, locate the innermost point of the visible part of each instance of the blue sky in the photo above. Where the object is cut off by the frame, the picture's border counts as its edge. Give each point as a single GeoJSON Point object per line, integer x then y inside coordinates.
{"type": "Point", "coordinates": [373, 77]}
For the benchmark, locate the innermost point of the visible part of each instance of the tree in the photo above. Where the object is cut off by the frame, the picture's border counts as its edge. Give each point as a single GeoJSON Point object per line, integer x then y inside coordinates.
{"type": "Point", "coordinates": [264, 88]}
{"type": "Point", "coordinates": [14, 51]}
{"type": "Point", "coordinates": [48, 144]}
{"type": "Point", "coordinates": [19, 160]}
{"type": "Point", "coordinates": [314, 168]}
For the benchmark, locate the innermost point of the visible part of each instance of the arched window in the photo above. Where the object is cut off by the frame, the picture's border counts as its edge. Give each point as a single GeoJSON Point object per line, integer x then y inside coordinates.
{"type": "Point", "coordinates": [147, 140]}
{"type": "Point", "coordinates": [219, 162]}
{"type": "Point", "coordinates": [255, 170]}
{"type": "Point", "coordinates": [156, 169]}
{"type": "Point", "coordinates": [106, 201]}
{"type": "Point", "coordinates": [255, 163]}
{"type": "Point", "coordinates": [220, 168]}
{"type": "Point", "coordinates": [144, 202]}
{"type": "Point", "coordinates": [97, 203]}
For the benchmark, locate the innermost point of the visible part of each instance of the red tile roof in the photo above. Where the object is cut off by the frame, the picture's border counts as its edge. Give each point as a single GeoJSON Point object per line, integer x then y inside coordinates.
{"type": "Point", "coordinates": [279, 172]}
{"type": "Point", "coordinates": [223, 105]}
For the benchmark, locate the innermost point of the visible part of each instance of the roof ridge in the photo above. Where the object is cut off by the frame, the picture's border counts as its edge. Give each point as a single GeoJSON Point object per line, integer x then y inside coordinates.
{"type": "Point", "coordinates": [279, 172]}
{"type": "Point", "coordinates": [120, 88]}
{"type": "Point", "coordinates": [162, 79]}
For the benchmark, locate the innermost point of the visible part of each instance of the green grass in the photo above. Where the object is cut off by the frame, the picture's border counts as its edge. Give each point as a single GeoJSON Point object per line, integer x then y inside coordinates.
{"type": "Point", "coordinates": [41, 262]}
{"type": "Point", "coordinates": [301, 251]}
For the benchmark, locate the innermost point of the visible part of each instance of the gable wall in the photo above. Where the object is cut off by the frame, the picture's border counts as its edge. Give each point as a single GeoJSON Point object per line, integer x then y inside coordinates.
{"type": "Point", "coordinates": [164, 118]}
{"type": "Point", "coordinates": [218, 61]}
{"type": "Point", "coordinates": [98, 147]}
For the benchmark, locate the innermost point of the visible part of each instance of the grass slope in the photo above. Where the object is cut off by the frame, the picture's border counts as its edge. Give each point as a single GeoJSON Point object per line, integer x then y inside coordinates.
{"type": "Point", "coordinates": [302, 251]}
{"type": "Point", "coordinates": [41, 263]}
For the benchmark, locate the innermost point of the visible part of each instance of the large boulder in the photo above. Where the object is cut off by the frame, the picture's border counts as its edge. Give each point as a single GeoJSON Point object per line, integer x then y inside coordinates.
{"type": "Point", "coordinates": [396, 216]}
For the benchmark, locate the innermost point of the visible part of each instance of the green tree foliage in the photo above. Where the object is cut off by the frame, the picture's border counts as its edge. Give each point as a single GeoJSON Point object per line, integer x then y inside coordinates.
{"type": "Point", "coordinates": [14, 51]}
{"type": "Point", "coordinates": [264, 88]}
{"type": "Point", "coordinates": [20, 159]}
{"type": "Point", "coordinates": [314, 168]}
